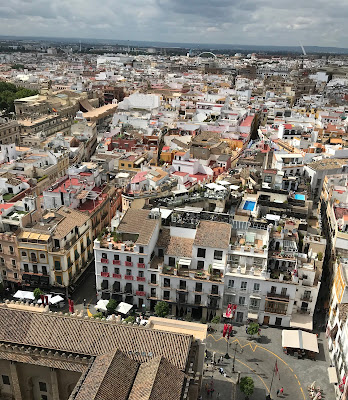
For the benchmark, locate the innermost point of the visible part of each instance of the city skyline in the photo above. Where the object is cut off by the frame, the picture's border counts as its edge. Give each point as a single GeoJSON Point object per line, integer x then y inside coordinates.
{"type": "Point", "coordinates": [228, 21]}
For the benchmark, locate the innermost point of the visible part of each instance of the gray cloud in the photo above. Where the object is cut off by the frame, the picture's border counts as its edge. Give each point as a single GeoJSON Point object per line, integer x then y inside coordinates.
{"type": "Point", "coordinates": [273, 22]}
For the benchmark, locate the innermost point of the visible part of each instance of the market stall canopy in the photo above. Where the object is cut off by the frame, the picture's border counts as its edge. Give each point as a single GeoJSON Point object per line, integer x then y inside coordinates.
{"type": "Point", "coordinates": [24, 294]}
{"type": "Point", "coordinates": [101, 305]}
{"type": "Point", "coordinates": [300, 340]}
{"type": "Point", "coordinates": [302, 321]}
{"type": "Point", "coordinates": [56, 299]}
{"type": "Point", "coordinates": [123, 308]}
{"type": "Point", "coordinates": [332, 375]}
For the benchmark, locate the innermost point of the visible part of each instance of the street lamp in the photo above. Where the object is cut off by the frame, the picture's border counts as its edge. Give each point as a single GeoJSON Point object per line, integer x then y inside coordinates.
{"type": "Point", "coordinates": [227, 356]}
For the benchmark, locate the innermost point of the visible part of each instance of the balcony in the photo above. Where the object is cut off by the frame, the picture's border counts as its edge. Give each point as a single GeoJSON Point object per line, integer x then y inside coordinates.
{"type": "Point", "coordinates": [117, 276]}
{"type": "Point", "coordinates": [278, 296]}
{"type": "Point", "coordinates": [214, 294]}
{"type": "Point", "coordinates": [141, 265]}
{"type": "Point", "coordinates": [182, 289]}
{"type": "Point", "coordinates": [306, 298]}
{"type": "Point", "coordinates": [140, 293]}
{"type": "Point", "coordinates": [129, 277]}
{"type": "Point", "coordinates": [275, 310]}
{"type": "Point", "coordinates": [104, 261]}
{"type": "Point", "coordinates": [141, 278]}
{"type": "Point", "coordinates": [105, 274]}
{"type": "Point", "coordinates": [128, 264]}
{"type": "Point", "coordinates": [116, 262]}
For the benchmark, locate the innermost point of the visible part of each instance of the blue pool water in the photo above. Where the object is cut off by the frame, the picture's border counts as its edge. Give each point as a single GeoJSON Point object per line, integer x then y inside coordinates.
{"type": "Point", "coordinates": [300, 197]}
{"type": "Point", "coordinates": [249, 205]}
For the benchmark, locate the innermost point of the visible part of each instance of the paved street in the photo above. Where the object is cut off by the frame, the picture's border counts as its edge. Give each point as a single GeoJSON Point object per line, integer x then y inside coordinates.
{"type": "Point", "coordinates": [257, 359]}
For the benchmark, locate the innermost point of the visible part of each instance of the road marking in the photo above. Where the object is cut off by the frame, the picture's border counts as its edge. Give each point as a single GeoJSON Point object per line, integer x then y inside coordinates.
{"type": "Point", "coordinates": [88, 312]}
{"type": "Point", "coordinates": [263, 348]}
{"type": "Point", "coordinates": [255, 374]}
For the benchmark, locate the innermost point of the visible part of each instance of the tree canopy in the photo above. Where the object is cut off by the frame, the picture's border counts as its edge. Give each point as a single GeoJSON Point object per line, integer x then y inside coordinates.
{"type": "Point", "coordinates": [9, 93]}
{"type": "Point", "coordinates": [162, 309]}
{"type": "Point", "coordinates": [111, 306]}
{"type": "Point", "coordinates": [253, 328]}
{"type": "Point", "coordinates": [247, 385]}
{"type": "Point", "coordinates": [37, 293]}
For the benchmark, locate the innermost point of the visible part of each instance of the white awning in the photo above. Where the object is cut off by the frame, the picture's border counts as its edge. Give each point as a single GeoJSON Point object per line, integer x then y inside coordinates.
{"type": "Point", "coordinates": [253, 296]}
{"type": "Point", "coordinates": [215, 187]}
{"type": "Point", "coordinates": [218, 266]}
{"type": "Point", "coordinates": [56, 299]}
{"type": "Point", "coordinates": [300, 340]}
{"type": "Point", "coordinates": [101, 305]}
{"type": "Point", "coordinates": [24, 294]}
{"type": "Point", "coordinates": [165, 212]}
{"type": "Point", "coordinates": [302, 321]}
{"type": "Point", "coordinates": [123, 308]}
{"type": "Point", "coordinates": [234, 187]}
{"type": "Point", "coordinates": [332, 375]}
{"type": "Point", "coordinates": [252, 315]}
{"type": "Point", "coordinates": [182, 261]}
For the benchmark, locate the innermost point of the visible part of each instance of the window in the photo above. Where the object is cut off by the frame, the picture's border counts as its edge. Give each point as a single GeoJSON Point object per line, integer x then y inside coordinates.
{"type": "Point", "coordinates": [116, 271]}
{"type": "Point", "coordinates": [11, 249]}
{"type": "Point", "coordinates": [166, 295]}
{"type": "Point", "coordinates": [200, 264]}
{"type": "Point", "coordinates": [42, 255]}
{"type": "Point", "coordinates": [256, 287]}
{"type": "Point", "coordinates": [129, 258]}
{"type": "Point", "coordinates": [104, 255]}
{"type": "Point", "coordinates": [182, 284]}
{"type": "Point", "coordinates": [283, 291]}
{"type": "Point", "coordinates": [35, 269]}
{"type": "Point", "coordinates": [105, 269]}
{"type": "Point", "coordinates": [273, 289]}
{"type": "Point", "coordinates": [254, 304]}
{"type": "Point", "coordinates": [153, 292]}
{"type": "Point", "coordinates": [141, 249]}
{"type": "Point", "coordinates": [24, 253]}
{"type": "Point", "coordinates": [198, 287]}
{"type": "Point", "coordinates": [5, 380]}
{"type": "Point", "coordinates": [13, 263]}
{"type": "Point", "coordinates": [171, 261]}
{"type": "Point", "coordinates": [128, 272]}
{"type": "Point", "coordinates": [0, 248]}
{"type": "Point", "coordinates": [44, 270]}
{"type": "Point", "coordinates": [230, 283]}
{"type": "Point", "coordinates": [141, 274]}
{"type": "Point", "coordinates": [26, 267]}
{"type": "Point", "coordinates": [166, 282]}
{"type": "Point", "coordinates": [198, 299]}
{"type": "Point", "coordinates": [141, 288]}
{"type": "Point", "coordinates": [243, 285]}
{"type": "Point", "coordinates": [218, 255]}
{"type": "Point", "coordinates": [57, 265]}
{"type": "Point", "coordinates": [43, 387]}
{"type": "Point", "coordinates": [201, 253]}
{"type": "Point", "coordinates": [116, 257]}
{"type": "Point", "coordinates": [278, 321]}
{"type": "Point", "coordinates": [15, 275]}
{"type": "Point", "coordinates": [33, 256]}
{"type": "Point", "coordinates": [241, 301]}
{"type": "Point", "coordinates": [141, 260]}
{"type": "Point", "coordinates": [59, 279]}
{"type": "Point", "coordinates": [4, 273]}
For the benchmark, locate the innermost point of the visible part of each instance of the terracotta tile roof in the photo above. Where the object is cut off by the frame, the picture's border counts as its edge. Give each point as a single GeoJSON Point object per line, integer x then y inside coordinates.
{"type": "Point", "coordinates": [138, 222]}
{"type": "Point", "coordinates": [110, 377]}
{"type": "Point", "coordinates": [163, 238]}
{"type": "Point", "coordinates": [91, 337]}
{"type": "Point", "coordinates": [44, 361]}
{"type": "Point", "coordinates": [213, 234]}
{"type": "Point", "coordinates": [179, 247]}
{"type": "Point", "coordinates": [157, 380]}
{"type": "Point", "coordinates": [71, 219]}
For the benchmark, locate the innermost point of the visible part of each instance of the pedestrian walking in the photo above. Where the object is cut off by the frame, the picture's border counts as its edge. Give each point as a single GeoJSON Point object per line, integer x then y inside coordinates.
{"type": "Point", "coordinates": [218, 396]}
{"type": "Point", "coordinates": [281, 390]}
{"type": "Point", "coordinates": [278, 392]}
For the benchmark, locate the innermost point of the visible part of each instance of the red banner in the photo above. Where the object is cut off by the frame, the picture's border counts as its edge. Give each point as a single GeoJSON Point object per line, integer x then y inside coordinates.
{"type": "Point", "coordinates": [225, 330]}
{"type": "Point", "coordinates": [71, 306]}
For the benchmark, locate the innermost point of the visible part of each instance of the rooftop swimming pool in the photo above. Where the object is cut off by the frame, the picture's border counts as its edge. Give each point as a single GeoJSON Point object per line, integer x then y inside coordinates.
{"type": "Point", "coordinates": [300, 197]}
{"type": "Point", "coordinates": [249, 205]}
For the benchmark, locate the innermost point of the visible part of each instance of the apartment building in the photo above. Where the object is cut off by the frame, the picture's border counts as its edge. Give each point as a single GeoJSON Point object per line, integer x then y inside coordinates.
{"type": "Point", "coordinates": [180, 265]}
{"type": "Point", "coordinates": [337, 327]}
{"type": "Point", "coordinates": [54, 251]}
{"type": "Point", "coordinates": [9, 131]}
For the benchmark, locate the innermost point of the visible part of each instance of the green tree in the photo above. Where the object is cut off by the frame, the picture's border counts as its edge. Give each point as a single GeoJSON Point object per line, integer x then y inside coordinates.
{"type": "Point", "coordinates": [247, 386]}
{"type": "Point", "coordinates": [215, 320]}
{"type": "Point", "coordinates": [111, 306]}
{"type": "Point", "coordinates": [162, 309]}
{"type": "Point", "coordinates": [37, 293]}
{"type": "Point", "coordinates": [130, 318]}
{"type": "Point", "coordinates": [98, 315]}
{"type": "Point", "coordinates": [253, 328]}
{"type": "Point", "coordinates": [320, 256]}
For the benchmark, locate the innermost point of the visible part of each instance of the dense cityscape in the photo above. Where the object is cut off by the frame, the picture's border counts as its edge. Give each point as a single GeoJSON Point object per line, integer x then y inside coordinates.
{"type": "Point", "coordinates": [173, 222]}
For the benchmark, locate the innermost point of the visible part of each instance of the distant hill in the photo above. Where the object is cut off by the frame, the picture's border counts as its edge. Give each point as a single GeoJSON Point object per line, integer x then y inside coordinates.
{"type": "Point", "coordinates": [194, 46]}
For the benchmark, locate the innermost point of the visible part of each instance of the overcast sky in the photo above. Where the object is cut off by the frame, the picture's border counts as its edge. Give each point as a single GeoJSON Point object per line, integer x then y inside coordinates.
{"type": "Point", "coordinates": [259, 22]}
